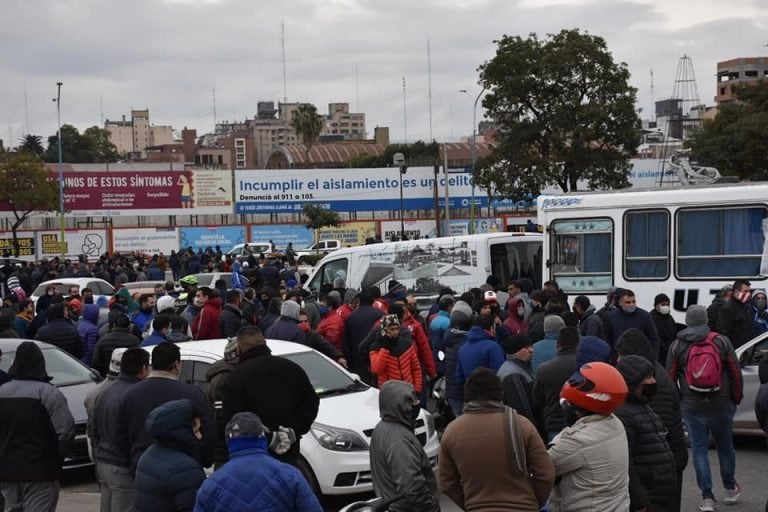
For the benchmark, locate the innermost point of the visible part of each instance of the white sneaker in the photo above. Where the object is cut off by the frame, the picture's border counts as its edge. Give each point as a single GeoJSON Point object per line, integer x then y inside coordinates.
{"type": "Point", "coordinates": [732, 495]}
{"type": "Point", "coordinates": [707, 505]}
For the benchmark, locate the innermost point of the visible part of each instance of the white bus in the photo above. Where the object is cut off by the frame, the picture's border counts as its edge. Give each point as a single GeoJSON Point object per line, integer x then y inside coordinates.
{"type": "Point", "coordinates": [686, 242]}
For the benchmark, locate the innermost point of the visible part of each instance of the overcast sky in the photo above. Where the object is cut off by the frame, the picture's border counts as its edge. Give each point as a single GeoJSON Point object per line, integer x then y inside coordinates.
{"type": "Point", "coordinates": [168, 55]}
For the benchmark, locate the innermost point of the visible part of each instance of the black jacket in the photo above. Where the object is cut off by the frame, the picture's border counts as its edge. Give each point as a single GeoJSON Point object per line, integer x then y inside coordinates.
{"type": "Point", "coordinates": [713, 311]}
{"type": "Point", "coordinates": [667, 330]}
{"type": "Point", "coordinates": [590, 324]}
{"type": "Point", "coordinates": [117, 337]}
{"type": "Point", "coordinates": [63, 334]}
{"type": "Point", "coordinates": [453, 340]}
{"type": "Point", "coordinates": [652, 471]}
{"type": "Point", "coordinates": [230, 321]}
{"type": "Point", "coordinates": [276, 389]}
{"type": "Point", "coordinates": [142, 398]}
{"type": "Point", "coordinates": [549, 380]}
{"type": "Point", "coordinates": [735, 322]}
{"type": "Point", "coordinates": [666, 402]}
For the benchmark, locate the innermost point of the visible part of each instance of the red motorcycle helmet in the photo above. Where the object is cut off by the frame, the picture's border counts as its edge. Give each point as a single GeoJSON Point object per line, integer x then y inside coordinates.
{"type": "Point", "coordinates": [598, 388]}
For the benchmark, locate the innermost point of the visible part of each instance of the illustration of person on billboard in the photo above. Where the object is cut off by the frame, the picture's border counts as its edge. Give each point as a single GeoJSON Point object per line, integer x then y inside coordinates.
{"type": "Point", "coordinates": [186, 191]}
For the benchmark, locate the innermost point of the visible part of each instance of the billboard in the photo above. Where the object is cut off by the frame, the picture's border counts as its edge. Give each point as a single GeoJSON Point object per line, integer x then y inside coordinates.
{"type": "Point", "coordinates": [349, 190]}
{"type": "Point", "coordinates": [26, 245]}
{"type": "Point", "coordinates": [225, 237]}
{"type": "Point", "coordinates": [283, 234]}
{"type": "Point", "coordinates": [90, 242]}
{"type": "Point", "coordinates": [146, 240]}
{"type": "Point", "coordinates": [350, 233]}
{"type": "Point", "coordinates": [96, 193]}
{"type": "Point", "coordinates": [426, 228]}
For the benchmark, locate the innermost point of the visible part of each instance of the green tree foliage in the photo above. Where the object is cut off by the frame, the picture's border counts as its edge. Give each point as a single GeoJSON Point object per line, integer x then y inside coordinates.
{"type": "Point", "coordinates": [308, 124]}
{"type": "Point", "coordinates": [417, 154]}
{"type": "Point", "coordinates": [26, 189]}
{"type": "Point", "coordinates": [564, 111]}
{"type": "Point", "coordinates": [318, 217]}
{"type": "Point", "coordinates": [92, 146]}
{"type": "Point", "coordinates": [734, 141]}
{"type": "Point", "coordinates": [32, 144]}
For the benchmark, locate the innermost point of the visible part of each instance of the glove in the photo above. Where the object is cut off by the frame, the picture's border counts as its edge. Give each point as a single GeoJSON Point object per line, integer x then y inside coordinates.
{"type": "Point", "coordinates": [281, 440]}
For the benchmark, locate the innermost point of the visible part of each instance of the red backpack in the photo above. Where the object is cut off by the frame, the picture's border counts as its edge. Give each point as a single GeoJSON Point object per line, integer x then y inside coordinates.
{"type": "Point", "coordinates": [704, 365]}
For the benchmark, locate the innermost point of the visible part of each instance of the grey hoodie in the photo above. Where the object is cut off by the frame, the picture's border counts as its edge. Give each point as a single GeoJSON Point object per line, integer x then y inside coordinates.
{"type": "Point", "coordinates": [399, 465]}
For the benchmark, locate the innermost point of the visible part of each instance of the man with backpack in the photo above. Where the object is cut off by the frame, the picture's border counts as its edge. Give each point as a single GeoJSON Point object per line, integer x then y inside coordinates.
{"type": "Point", "coordinates": [703, 363]}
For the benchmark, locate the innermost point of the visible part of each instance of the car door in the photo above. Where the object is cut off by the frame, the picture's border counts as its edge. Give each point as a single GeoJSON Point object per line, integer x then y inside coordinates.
{"type": "Point", "coordinates": [750, 356]}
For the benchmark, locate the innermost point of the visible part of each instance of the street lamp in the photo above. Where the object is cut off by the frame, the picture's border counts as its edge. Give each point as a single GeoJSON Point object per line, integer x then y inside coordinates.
{"type": "Point", "coordinates": [398, 159]}
{"type": "Point", "coordinates": [474, 156]}
{"type": "Point", "coordinates": [57, 99]}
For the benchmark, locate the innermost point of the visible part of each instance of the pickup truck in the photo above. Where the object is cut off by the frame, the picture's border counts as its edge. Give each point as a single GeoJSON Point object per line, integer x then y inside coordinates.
{"type": "Point", "coordinates": [321, 247]}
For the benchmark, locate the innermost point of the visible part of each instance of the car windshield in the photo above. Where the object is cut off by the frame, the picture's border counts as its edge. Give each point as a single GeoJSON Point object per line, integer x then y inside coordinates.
{"type": "Point", "coordinates": [61, 288]}
{"type": "Point", "coordinates": [65, 369]}
{"type": "Point", "coordinates": [204, 279]}
{"type": "Point", "coordinates": [325, 376]}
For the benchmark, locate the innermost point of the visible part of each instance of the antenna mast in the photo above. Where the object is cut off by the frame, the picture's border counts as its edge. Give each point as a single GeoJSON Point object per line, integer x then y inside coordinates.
{"type": "Point", "coordinates": [429, 87]}
{"type": "Point", "coordinates": [26, 112]}
{"type": "Point", "coordinates": [285, 80]}
{"type": "Point", "coordinates": [405, 116]}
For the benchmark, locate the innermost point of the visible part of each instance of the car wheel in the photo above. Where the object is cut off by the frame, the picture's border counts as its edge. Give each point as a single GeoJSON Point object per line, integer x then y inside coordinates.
{"type": "Point", "coordinates": [305, 469]}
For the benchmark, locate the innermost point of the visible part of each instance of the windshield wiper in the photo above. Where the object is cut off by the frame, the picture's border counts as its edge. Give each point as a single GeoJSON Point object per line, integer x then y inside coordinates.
{"type": "Point", "coordinates": [355, 386]}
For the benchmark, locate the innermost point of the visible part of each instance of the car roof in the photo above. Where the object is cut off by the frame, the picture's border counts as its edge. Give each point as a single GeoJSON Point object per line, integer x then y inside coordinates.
{"type": "Point", "coordinates": [8, 344]}
{"type": "Point", "coordinates": [72, 280]}
{"type": "Point", "coordinates": [215, 348]}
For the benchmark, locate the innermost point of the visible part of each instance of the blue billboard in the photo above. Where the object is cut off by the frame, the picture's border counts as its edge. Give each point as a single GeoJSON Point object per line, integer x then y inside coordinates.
{"type": "Point", "coordinates": [282, 234]}
{"type": "Point", "coordinates": [225, 237]}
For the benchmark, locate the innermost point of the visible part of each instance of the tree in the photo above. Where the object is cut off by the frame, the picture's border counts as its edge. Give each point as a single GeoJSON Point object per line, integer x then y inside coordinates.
{"type": "Point", "coordinates": [25, 187]}
{"type": "Point", "coordinates": [318, 217]}
{"type": "Point", "coordinates": [734, 141]}
{"type": "Point", "coordinates": [92, 146]}
{"type": "Point", "coordinates": [564, 111]}
{"type": "Point", "coordinates": [417, 154]}
{"type": "Point", "coordinates": [32, 144]}
{"type": "Point", "coordinates": [308, 124]}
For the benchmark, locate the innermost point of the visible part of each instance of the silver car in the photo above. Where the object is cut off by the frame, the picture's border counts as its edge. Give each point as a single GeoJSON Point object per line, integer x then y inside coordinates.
{"type": "Point", "coordinates": [73, 379]}
{"type": "Point", "coordinates": [749, 355]}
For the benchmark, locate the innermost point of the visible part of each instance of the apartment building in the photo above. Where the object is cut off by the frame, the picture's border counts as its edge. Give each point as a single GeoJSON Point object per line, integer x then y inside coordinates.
{"type": "Point", "coordinates": [738, 71]}
{"type": "Point", "coordinates": [133, 137]}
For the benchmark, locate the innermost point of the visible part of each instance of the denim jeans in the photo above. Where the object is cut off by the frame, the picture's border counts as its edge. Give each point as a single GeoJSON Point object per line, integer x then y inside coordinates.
{"type": "Point", "coordinates": [457, 406]}
{"type": "Point", "coordinates": [719, 422]}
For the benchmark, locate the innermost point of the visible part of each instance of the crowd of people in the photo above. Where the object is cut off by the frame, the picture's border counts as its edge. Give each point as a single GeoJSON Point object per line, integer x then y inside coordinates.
{"type": "Point", "coordinates": [553, 402]}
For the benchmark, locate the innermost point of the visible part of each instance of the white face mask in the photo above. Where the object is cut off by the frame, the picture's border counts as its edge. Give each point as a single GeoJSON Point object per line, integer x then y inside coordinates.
{"type": "Point", "coordinates": [664, 310]}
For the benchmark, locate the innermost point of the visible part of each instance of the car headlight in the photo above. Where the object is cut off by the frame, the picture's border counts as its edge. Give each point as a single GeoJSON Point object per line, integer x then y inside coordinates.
{"type": "Point", "coordinates": [338, 439]}
{"type": "Point", "coordinates": [429, 421]}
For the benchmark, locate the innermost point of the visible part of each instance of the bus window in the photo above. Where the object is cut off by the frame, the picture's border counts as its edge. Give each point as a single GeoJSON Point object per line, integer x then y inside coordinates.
{"type": "Point", "coordinates": [581, 254]}
{"type": "Point", "coordinates": [328, 272]}
{"type": "Point", "coordinates": [720, 242]}
{"type": "Point", "coordinates": [513, 261]}
{"type": "Point", "coordinates": [646, 244]}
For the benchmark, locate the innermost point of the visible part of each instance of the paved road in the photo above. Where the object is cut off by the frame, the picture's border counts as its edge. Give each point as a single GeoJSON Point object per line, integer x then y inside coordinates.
{"type": "Point", "coordinates": [80, 492]}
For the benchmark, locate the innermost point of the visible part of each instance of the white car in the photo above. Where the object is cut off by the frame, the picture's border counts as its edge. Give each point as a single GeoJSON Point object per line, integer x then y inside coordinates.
{"type": "Point", "coordinates": [99, 287]}
{"type": "Point", "coordinates": [322, 247]}
{"type": "Point", "coordinates": [335, 453]}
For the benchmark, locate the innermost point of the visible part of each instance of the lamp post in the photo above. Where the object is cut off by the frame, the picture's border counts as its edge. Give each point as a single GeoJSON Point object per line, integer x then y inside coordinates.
{"type": "Point", "coordinates": [61, 169]}
{"type": "Point", "coordinates": [474, 156]}
{"type": "Point", "coordinates": [398, 159]}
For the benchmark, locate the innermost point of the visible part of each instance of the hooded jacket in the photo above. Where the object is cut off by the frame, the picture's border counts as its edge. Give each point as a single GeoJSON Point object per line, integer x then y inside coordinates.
{"type": "Point", "coordinates": [731, 382]}
{"type": "Point", "coordinates": [35, 422]}
{"type": "Point", "coordinates": [480, 350]}
{"type": "Point", "coordinates": [168, 476]}
{"type": "Point", "coordinates": [88, 332]}
{"type": "Point", "coordinates": [117, 337]}
{"type": "Point", "coordinates": [591, 460]}
{"type": "Point", "coordinates": [666, 402]}
{"type": "Point", "coordinates": [652, 469]}
{"type": "Point", "coordinates": [206, 325]}
{"type": "Point", "coordinates": [590, 324]}
{"type": "Point", "coordinates": [474, 467]}
{"type": "Point", "coordinates": [395, 359]}
{"type": "Point", "coordinates": [399, 465]}
{"type": "Point", "coordinates": [331, 327]}
{"type": "Point", "coordinates": [452, 342]}
{"type": "Point", "coordinates": [231, 320]}
{"type": "Point", "coordinates": [253, 480]}
{"type": "Point", "coordinates": [513, 323]}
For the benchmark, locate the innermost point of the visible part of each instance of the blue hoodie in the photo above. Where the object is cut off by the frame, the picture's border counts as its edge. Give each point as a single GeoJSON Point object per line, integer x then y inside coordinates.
{"type": "Point", "coordinates": [88, 331]}
{"type": "Point", "coordinates": [480, 351]}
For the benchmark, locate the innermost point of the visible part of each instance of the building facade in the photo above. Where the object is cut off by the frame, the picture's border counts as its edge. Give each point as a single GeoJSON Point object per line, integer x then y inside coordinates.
{"type": "Point", "coordinates": [132, 138]}
{"type": "Point", "coordinates": [738, 71]}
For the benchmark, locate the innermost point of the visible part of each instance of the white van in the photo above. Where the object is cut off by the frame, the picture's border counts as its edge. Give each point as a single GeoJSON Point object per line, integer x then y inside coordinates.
{"type": "Point", "coordinates": [426, 266]}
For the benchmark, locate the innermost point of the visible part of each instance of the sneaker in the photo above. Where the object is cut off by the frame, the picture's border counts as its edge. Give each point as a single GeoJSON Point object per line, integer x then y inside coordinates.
{"type": "Point", "coordinates": [707, 505]}
{"type": "Point", "coordinates": [732, 495]}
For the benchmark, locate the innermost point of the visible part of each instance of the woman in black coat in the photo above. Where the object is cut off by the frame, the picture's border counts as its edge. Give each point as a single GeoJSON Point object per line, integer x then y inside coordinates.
{"type": "Point", "coordinates": [652, 472]}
